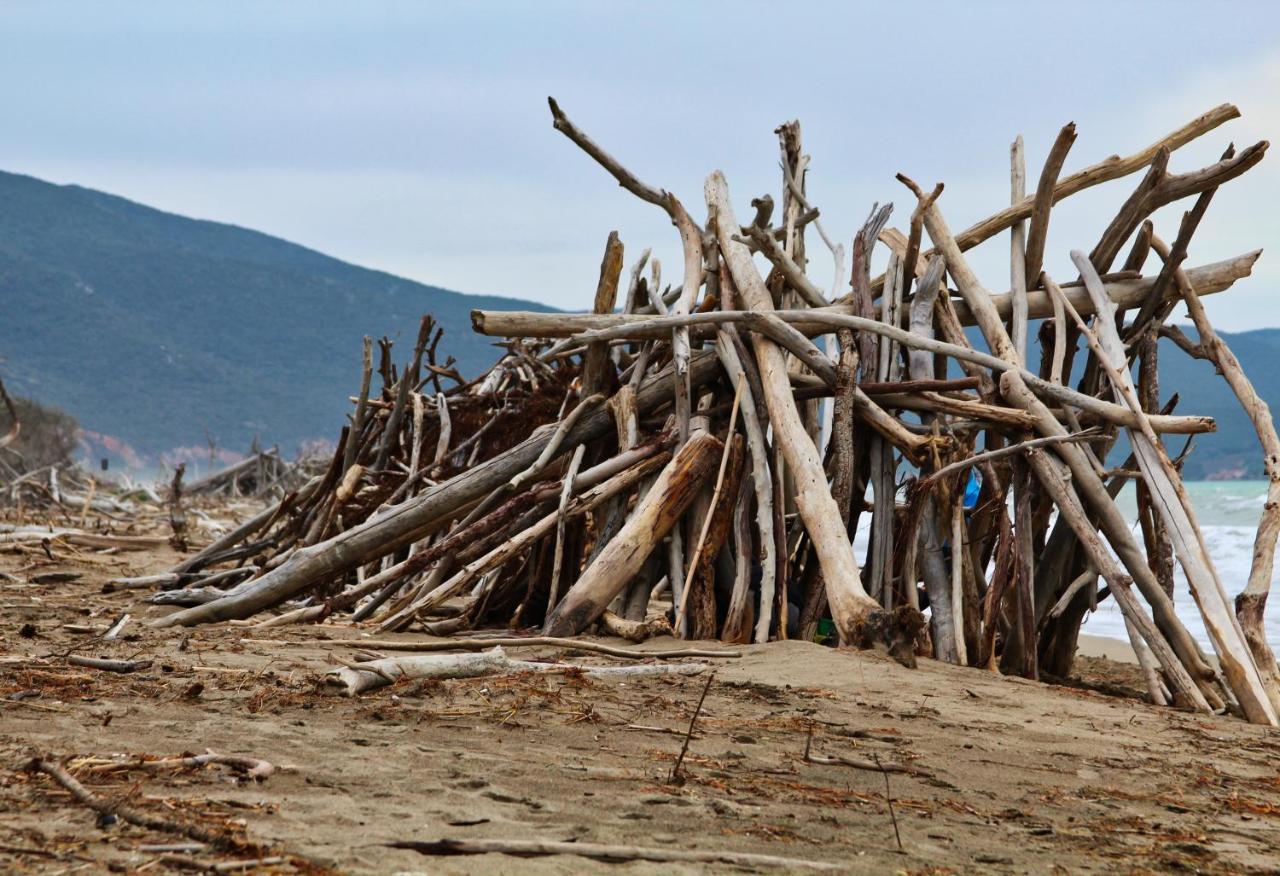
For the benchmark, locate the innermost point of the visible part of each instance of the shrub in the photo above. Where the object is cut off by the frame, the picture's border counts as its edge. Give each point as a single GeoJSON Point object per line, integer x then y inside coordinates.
{"type": "Point", "coordinates": [49, 436]}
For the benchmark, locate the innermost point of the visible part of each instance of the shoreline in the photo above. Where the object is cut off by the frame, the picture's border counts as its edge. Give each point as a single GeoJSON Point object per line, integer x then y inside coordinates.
{"type": "Point", "coordinates": [1118, 650]}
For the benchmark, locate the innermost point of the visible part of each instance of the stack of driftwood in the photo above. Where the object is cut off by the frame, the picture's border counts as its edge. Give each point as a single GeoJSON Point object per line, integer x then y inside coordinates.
{"type": "Point", "coordinates": [712, 445]}
{"type": "Point", "coordinates": [258, 474]}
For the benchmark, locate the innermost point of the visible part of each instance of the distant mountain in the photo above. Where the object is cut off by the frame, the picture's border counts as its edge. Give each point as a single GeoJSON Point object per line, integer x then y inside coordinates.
{"type": "Point", "coordinates": [161, 331]}
{"type": "Point", "coordinates": [1230, 453]}
{"type": "Point", "coordinates": [1233, 451]}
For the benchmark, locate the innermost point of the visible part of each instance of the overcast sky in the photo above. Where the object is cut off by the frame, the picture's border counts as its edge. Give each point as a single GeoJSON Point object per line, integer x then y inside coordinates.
{"type": "Point", "coordinates": [415, 137]}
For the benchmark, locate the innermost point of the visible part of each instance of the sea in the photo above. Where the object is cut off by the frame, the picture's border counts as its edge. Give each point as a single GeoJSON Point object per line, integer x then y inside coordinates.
{"type": "Point", "coordinates": [1228, 514]}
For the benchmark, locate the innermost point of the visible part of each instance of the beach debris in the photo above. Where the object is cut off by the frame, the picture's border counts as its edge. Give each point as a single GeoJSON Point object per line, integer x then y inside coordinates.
{"type": "Point", "coordinates": [695, 456]}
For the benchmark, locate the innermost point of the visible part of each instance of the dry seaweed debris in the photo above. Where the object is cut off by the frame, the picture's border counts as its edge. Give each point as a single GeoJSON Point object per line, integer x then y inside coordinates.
{"type": "Point", "coordinates": [711, 442]}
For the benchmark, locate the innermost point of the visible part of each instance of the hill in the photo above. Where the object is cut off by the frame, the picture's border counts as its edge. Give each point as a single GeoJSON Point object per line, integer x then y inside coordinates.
{"type": "Point", "coordinates": [1233, 451]}
{"type": "Point", "coordinates": [161, 331]}
{"type": "Point", "coordinates": [1230, 453]}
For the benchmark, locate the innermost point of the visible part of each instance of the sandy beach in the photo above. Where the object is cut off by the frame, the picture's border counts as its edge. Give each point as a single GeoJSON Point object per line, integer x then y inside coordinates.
{"type": "Point", "coordinates": [991, 774]}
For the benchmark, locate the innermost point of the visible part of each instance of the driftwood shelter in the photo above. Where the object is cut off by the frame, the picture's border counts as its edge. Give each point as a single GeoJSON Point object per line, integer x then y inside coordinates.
{"type": "Point", "coordinates": [700, 453]}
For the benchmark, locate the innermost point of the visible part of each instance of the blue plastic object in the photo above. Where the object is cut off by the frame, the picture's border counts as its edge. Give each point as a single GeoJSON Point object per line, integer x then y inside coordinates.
{"type": "Point", "coordinates": [972, 489]}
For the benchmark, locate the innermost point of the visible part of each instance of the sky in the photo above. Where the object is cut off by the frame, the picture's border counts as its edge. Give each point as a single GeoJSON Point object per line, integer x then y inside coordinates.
{"type": "Point", "coordinates": [415, 137]}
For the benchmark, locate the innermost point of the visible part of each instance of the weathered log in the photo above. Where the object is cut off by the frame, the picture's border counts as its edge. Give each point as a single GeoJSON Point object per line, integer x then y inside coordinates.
{"type": "Point", "coordinates": [1107, 410]}
{"type": "Point", "coordinates": [519, 541]}
{"type": "Point", "coordinates": [850, 604]}
{"type": "Point", "coordinates": [1205, 280]}
{"type": "Point", "coordinates": [399, 526]}
{"type": "Point", "coordinates": [611, 854]}
{"type": "Point", "coordinates": [353, 679]}
{"type": "Point", "coordinates": [626, 552]}
{"type": "Point", "coordinates": [1015, 389]}
{"type": "Point", "coordinates": [1174, 506]}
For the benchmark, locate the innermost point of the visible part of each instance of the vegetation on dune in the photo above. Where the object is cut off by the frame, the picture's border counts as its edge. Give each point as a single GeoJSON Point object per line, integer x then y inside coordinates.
{"type": "Point", "coordinates": [48, 436]}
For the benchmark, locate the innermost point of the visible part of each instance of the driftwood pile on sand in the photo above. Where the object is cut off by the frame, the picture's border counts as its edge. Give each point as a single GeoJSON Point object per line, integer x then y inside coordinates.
{"type": "Point", "coordinates": [258, 474]}
{"type": "Point", "coordinates": [715, 443]}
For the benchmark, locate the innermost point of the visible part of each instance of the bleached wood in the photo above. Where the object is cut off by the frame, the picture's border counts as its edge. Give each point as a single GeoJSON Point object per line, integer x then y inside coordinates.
{"type": "Point", "coordinates": [1042, 203]}
{"type": "Point", "coordinates": [1018, 251]}
{"type": "Point", "coordinates": [1170, 499]}
{"type": "Point", "coordinates": [1251, 602]}
{"type": "Point", "coordinates": [1085, 481]}
{"type": "Point", "coordinates": [353, 679]}
{"type": "Point", "coordinates": [653, 517]}
{"type": "Point", "coordinates": [762, 484]}
{"type": "Point", "coordinates": [850, 604]}
{"type": "Point", "coordinates": [1206, 280]}
{"type": "Point", "coordinates": [1107, 410]}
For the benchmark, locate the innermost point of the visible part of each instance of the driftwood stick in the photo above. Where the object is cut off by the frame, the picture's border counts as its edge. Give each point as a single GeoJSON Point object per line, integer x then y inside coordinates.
{"type": "Point", "coordinates": [1042, 203]}
{"type": "Point", "coordinates": [142, 819]}
{"type": "Point", "coordinates": [923, 548]}
{"type": "Point", "coordinates": [561, 520]}
{"type": "Point", "coordinates": [691, 245]}
{"type": "Point", "coordinates": [596, 362]}
{"type": "Point", "coordinates": [625, 178]}
{"type": "Point", "coordinates": [1024, 557]}
{"type": "Point", "coordinates": [353, 679]}
{"type": "Point", "coordinates": [611, 854]}
{"type": "Point", "coordinates": [1018, 251]}
{"type": "Point", "coordinates": [763, 240]}
{"type": "Point", "coordinates": [1110, 411]}
{"type": "Point", "coordinates": [362, 406]}
{"type": "Point", "coordinates": [252, 767]}
{"type": "Point", "coordinates": [626, 552]}
{"type": "Point", "coordinates": [1174, 506]}
{"type": "Point", "coordinates": [1011, 450]}
{"type": "Point", "coordinates": [15, 424]}
{"type": "Point", "coordinates": [1059, 329]}
{"type": "Point", "coordinates": [1087, 578]}
{"type": "Point", "coordinates": [121, 666]}
{"type": "Point", "coordinates": [675, 776]}
{"type": "Point", "coordinates": [446, 430]}
{"type": "Point", "coordinates": [859, 763]}
{"type": "Point", "coordinates": [574, 644]}
{"type": "Point", "coordinates": [1251, 603]}
{"type": "Point", "coordinates": [1150, 669]}
{"type": "Point", "coordinates": [563, 428]}
{"type": "Point", "coordinates": [850, 604]}
{"type": "Point", "coordinates": [762, 483]}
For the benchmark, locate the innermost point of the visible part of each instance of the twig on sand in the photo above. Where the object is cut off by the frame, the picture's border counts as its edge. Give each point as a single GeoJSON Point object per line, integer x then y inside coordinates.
{"type": "Point", "coordinates": [122, 666]}
{"type": "Point", "coordinates": [684, 748]}
{"type": "Point", "coordinates": [888, 798]}
{"type": "Point", "coordinates": [121, 810]}
{"type": "Point", "coordinates": [602, 852]}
